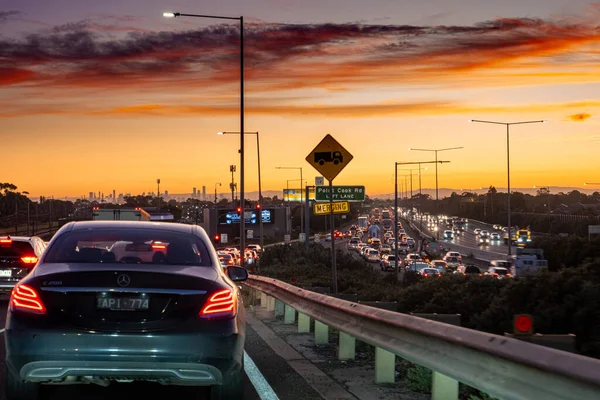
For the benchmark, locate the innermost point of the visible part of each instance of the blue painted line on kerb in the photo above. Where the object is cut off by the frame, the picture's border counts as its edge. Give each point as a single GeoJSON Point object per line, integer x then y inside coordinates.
{"type": "Point", "coordinates": [264, 390]}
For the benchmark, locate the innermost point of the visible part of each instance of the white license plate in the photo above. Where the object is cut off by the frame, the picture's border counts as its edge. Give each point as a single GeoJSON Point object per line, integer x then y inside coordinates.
{"type": "Point", "coordinates": [6, 272]}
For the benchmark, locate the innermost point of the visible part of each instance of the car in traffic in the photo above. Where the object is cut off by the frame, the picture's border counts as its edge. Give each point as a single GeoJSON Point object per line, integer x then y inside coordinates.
{"type": "Point", "coordinates": [429, 272]}
{"type": "Point", "coordinates": [484, 237]}
{"type": "Point", "coordinates": [385, 249]}
{"type": "Point", "coordinates": [353, 243]}
{"type": "Point", "coordinates": [418, 266]}
{"type": "Point", "coordinates": [477, 231]}
{"type": "Point", "coordinates": [84, 316]}
{"type": "Point", "coordinates": [498, 272]}
{"type": "Point", "coordinates": [388, 262]}
{"type": "Point", "coordinates": [454, 254]}
{"type": "Point", "coordinates": [440, 265]}
{"type": "Point", "coordinates": [495, 237]}
{"type": "Point", "coordinates": [18, 256]}
{"type": "Point", "coordinates": [468, 270]}
{"type": "Point", "coordinates": [411, 258]}
{"type": "Point", "coordinates": [373, 255]}
{"type": "Point", "coordinates": [448, 234]}
{"type": "Point", "coordinates": [410, 242]}
{"type": "Point", "coordinates": [452, 262]}
{"type": "Point", "coordinates": [375, 243]}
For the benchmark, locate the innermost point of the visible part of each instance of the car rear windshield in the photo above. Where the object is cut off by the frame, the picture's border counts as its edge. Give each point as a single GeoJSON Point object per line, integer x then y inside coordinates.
{"type": "Point", "coordinates": [501, 271]}
{"type": "Point", "coordinates": [128, 246]}
{"type": "Point", "coordinates": [472, 270]}
{"type": "Point", "coordinates": [503, 264]}
{"type": "Point", "coordinates": [16, 249]}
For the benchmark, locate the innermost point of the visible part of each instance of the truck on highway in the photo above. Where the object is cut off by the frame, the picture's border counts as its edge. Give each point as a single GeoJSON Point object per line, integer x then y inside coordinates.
{"type": "Point", "coordinates": [363, 223]}
{"type": "Point", "coordinates": [528, 262]}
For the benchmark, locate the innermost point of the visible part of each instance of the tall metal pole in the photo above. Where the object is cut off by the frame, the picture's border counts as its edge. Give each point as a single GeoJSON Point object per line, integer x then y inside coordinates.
{"type": "Point", "coordinates": [242, 194]}
{"type": "Point", "coordinates": [508, 206]}
{"type": "Point", "coordinates": [301, 204]}
{"type": "Point", "coordinates": [28, 220]}
{"type": "Point", "coordinates": [307, 220]}
{"type": "Point", "coordinates": [158, 194]}
{"type": "Point", "coordinates": [396, 220]}
{"type": "Point", "coordinates": [260, 198]}
{"type": "Point", "coordinates": [333, 265]}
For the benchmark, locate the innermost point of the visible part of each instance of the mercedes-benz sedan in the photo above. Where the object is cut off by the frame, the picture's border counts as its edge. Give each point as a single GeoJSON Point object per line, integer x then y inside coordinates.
{"type": "Point", "coordinates": [120, 301]}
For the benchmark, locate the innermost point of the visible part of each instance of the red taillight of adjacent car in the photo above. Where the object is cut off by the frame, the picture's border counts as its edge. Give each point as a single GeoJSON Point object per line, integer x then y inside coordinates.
{"type": "Point", "coordinates": [29, 260]}
{"type": "Point", "coordinates": [27, 299]}
{"type": "Point", "coordinates": [221, 304]}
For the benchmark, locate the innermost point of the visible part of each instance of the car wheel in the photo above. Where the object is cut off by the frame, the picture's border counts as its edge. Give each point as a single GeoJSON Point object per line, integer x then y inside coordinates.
{"type": "Point", "coordinates": [233, 389]}
{"type": "Point", "coordinates": [18, 389]}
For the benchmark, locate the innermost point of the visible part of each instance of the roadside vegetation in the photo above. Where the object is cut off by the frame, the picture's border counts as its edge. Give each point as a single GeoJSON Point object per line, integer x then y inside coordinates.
{"type": "Point", "coordinates": [562, 302]}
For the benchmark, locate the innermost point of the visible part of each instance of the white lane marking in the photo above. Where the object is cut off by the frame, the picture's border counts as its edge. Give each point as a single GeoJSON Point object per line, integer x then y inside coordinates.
{"type": "Point", "coordinates": [264, 390]}
{"type": "Point", "coordinates": [2, 330]}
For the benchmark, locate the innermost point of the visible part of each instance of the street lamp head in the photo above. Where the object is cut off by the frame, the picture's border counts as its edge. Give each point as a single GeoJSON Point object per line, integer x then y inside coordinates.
{"type": "Point", "coordinates": [220, 133]}
{"type": "Point", "coordinates": [470, 120]}
{"type": "Point", "coordinates": [545, 121]}
{"type": "Point", "coordinates": [169, 14]}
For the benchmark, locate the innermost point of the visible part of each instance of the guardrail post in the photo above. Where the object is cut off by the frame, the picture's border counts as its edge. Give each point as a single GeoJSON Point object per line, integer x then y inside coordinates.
{"type": "Point", "coordinates": [270, 303]}
{"type": "Point", "coordinates": [321, 333]}
{"type": "Point", "coordinates": [263, 300]}
{"type": "Point", "coordinates": [347, 347]}
{"type": "Point", "coordinates": [443, 387]}
{"type": "Point", "coordinates": [279, 308]}
{"type": "Point", "coordinates": [290, 315]}
{"type": "Point", "coordinates": [385, 366]}
{"type": "Point", "coordinates": [303, 323]}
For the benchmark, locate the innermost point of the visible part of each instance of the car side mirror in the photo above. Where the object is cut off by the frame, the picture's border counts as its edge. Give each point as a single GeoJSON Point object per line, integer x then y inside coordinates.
{"type": "Point", "coordinates": [237, 274]}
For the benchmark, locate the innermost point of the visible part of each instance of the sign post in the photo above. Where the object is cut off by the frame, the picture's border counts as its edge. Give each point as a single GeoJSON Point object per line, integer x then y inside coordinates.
{"type": "Point", "coordinates": [329, 158]}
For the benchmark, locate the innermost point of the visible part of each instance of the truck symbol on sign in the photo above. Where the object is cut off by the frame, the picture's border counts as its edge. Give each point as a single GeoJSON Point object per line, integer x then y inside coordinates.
{"type": "Point", "coordinates": [322, 157]}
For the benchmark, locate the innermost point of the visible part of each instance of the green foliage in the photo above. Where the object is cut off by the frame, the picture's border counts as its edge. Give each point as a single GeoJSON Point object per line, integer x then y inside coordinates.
{"type": "Point", "coordinates": [419, 379]}
{"type": "Point", "coordinates": [561, 302]}
{"type": "Point", "coordinates": [567, 252]}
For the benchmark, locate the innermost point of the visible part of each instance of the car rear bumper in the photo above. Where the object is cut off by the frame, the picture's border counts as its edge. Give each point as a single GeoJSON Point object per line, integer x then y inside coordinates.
{"type": "Point", "coordinates": [7, 287]}
{"type": "Point", "coordinates": [65, 357]}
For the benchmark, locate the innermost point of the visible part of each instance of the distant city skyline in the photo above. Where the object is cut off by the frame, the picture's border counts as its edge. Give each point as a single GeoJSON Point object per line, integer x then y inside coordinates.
{"type": "Point", "coordinates": [443, 192]}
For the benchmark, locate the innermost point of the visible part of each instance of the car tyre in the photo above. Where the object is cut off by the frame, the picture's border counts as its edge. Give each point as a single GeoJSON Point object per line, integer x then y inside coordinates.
{"type": "Point", "coordinates": [230, 390]}
{"type": "Point", "coordinates": [18, 389]}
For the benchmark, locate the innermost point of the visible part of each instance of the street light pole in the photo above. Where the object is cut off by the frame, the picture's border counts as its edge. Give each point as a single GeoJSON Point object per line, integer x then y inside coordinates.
{"type": "Point", "coordinates": [242, 194]}
{"type": "Point", "coordinates": [508, 125]}
{"type": "Point", "coordinates": [260, 198]}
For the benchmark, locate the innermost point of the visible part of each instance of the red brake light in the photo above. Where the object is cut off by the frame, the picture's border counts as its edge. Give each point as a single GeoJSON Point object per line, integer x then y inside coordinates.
{"type": "Point", "coordinates": [25, 298]}
{"type": "Point", "coordinates": [426, 274]}
{"type": "Point", "coordinates": [159, 246]}
{"type": "Point", "coordinates": [221, 304]}
{"type": "Point", "coordinates": [29, 260]}
{"type": "Point", "coordinates": [5, 240]}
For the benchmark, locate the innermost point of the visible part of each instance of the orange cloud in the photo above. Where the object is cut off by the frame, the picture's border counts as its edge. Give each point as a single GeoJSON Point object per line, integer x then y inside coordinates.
{"type": "Point", "coordinates": [383, 109]}
{"type": "Point", "coordinates": [579, 117]}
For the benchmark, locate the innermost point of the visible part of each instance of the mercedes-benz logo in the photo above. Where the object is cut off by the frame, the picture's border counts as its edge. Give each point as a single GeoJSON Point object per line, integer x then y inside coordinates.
{"type": "Point", "coordinates": [123, 280]}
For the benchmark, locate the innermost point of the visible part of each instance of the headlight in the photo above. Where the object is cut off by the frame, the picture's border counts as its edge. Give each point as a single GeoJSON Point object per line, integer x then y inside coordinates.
{"type": "Point", "coordinates": [519, 240]}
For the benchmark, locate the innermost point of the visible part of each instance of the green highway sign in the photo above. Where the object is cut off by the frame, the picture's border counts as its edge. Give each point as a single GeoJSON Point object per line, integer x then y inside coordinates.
{"type": "Point", "coordinates": [340, 193]}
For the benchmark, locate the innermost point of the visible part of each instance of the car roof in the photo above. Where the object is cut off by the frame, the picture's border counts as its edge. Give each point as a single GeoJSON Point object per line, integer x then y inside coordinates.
{"type": "Point", "coordinates": [168, 226]}
{"type": "Point", "coordinates": [22, 238]}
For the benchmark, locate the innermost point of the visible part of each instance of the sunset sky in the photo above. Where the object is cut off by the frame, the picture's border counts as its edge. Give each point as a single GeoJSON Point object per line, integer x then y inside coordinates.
{"type": "Point", "coordinates": [103, 95]}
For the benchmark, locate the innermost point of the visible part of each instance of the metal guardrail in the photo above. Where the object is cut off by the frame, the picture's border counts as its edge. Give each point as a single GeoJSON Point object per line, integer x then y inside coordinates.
{"type": "Point", "coordinates": [503, 367]}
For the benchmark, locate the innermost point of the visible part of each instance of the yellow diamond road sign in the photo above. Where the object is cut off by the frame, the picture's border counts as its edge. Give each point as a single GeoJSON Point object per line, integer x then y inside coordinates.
{"type": "Point", "coordinates": [339, 207]}
{"type": "Point", "coordinates": [329, 157]}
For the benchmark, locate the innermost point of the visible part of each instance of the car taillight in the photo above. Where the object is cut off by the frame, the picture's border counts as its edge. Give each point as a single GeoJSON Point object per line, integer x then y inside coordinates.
{"type": "Point", "coordinates": [29, 260]}
{"type": "Point", "coordinates": [25, 298]}
{"type": "Point", "coordinates": [221, 304]}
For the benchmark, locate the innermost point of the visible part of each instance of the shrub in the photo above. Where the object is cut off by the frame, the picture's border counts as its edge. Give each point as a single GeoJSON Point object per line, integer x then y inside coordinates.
{"type": "Point", "coordinates": [419, 379]}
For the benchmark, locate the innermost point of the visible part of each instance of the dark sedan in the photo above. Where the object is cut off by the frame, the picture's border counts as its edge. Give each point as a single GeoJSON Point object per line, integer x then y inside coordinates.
{"type": "Point", "coordinates": [120, 301]}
